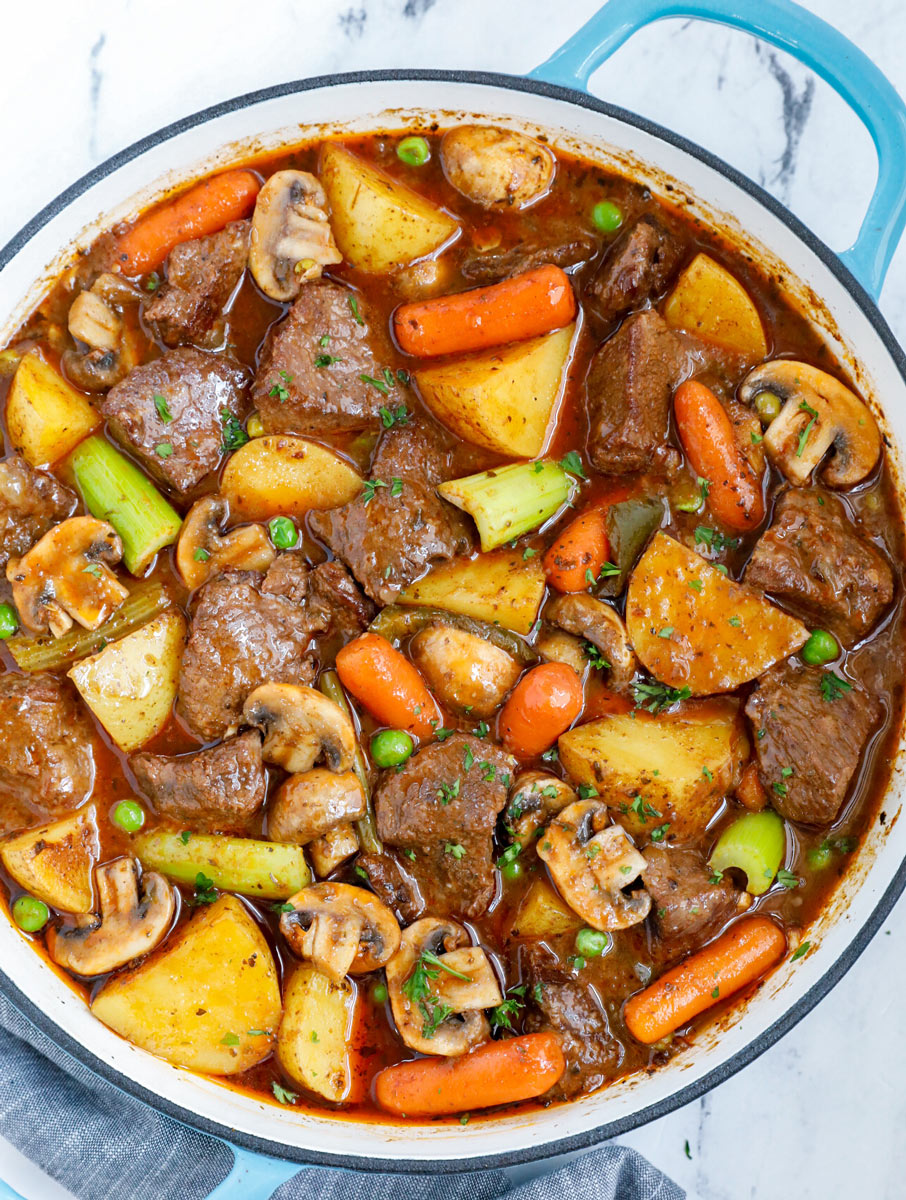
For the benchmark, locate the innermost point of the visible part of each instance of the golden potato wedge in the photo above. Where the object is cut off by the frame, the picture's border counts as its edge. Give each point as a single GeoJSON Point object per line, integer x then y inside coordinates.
{"type": "Point", "coordinates": [708, 301]}
{"type": "Point", "coordinates": [313, 1044]}
{"type": "Point", "coordinates": [694, 628]}
{"type": "Point", "coordinates": [681, 764]}
{"type": "Point", "coordinates": [496, 587]}
{"type": "Point", "coordinates": [208, 1000]}
{"type": "Point", "coordinates": [284, 475]}
{"type": "Point", "coordinates": [130, 685]}
{"type": "Point", "coordinates": [378, 222]}
{"type": "Point", "coordinates": [501, 399]}
{"type": "Point", "coordinates": [45, 416]}
{"type": "Point", "coordinates": [54, 862]}
{"type": "Point", "coordinates": [543, 913]}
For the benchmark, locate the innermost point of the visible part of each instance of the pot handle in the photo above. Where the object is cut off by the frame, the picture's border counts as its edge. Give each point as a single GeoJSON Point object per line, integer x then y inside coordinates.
{"type": "Point", "coordinates": [813, 42]}
{"type": "Point", "coordinates": [254, 1176]}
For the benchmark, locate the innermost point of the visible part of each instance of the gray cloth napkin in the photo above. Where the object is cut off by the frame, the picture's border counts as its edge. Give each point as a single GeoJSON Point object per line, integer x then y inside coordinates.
{"type": "Point", "coordinates": [103, 1145]}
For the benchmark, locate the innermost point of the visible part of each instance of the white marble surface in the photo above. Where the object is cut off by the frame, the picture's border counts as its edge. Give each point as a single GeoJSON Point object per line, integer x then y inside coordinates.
{"type": "Point", "coordinates": [822, 1113]}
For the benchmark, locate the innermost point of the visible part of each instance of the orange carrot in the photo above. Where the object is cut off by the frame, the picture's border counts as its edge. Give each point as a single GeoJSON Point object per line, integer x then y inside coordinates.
{"type": "Point", "coordinates": [602, 701]}
{"type": "Point", "coordinates": [737, 958]}
{"type": "Point", "coordinates": [750, 790]}
{"type": "Point", "coordinates": [496, 1073]}
{"type": "Point", "coordinates": [386, 682]}
{"type": "Point", "coordinates": [518, 308]}
{"type": "Point", "coordinates": [581, 548]}
{"type": "Point", "coordinates": [201, 210]}
{"type": "Point", "coordinates": [734, 492]}
{"type": "Point", "coordinates": [542, 705]}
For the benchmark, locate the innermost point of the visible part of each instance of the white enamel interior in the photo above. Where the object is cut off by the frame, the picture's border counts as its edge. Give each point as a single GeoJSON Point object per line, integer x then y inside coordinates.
{"type": "Point", "coordinates": [374, 104]}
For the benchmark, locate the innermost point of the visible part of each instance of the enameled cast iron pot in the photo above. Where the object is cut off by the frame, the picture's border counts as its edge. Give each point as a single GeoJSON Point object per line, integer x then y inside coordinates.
{"type": "Point", "coordinates": [553, 99]}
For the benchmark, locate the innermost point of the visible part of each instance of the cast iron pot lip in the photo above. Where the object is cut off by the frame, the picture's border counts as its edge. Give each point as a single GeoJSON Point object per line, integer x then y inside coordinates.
{"type": "Point", "coordinates": [838, 968]}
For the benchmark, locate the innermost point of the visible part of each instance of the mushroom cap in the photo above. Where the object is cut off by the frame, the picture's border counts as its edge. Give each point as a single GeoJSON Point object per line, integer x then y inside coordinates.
{"type": "Point", "coordinates": [599, 623]}
{"type": "Point", "coordinates": [342, 930]}
{"type": "Point", "coordinates": [497, 168]}
{"type": "Point", "coordinates": [591, 863]}
{"type": "Point", "coordinates": [65, 577]}
{"type": "Point", "coordinates": [310, 805]}
{"type": "Point", "coordinates": [459, 1002]}
{"type": "Point", "coordinates": [533, 798]}
{"type": "Point", "coordinates": [129, 924]}
{"type": "Point", "coordinates": [291, 240]}
{"type": "Point", "coordinates": [819, 412]}
{"type": "Point", "coordinates": [300, 726]}
{"type": "Point", "coordinates": [466, 672]}
{"type": "Point", "coordinates": [202, 550]}
{"type": "Point", "coordinates": [95, 323]}
{"type": "Point", "coordinates": [332, 848]}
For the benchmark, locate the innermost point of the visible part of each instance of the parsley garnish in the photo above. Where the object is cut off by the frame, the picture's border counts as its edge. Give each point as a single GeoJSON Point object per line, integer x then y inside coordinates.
{"type": "Point", "coordinates": [509, 855]}
{"type": "Point", "coordinates": [787, 879]}
{"type": "Point", "coordinates": [284, 1095]}
{"type": "Point", "coordinates": [455, 850]}
{"type": "Point", "coordinates": [418, 990]}
{"type": "Point", "coordinates": [658, 834]}
{"type": "Point", "coordinates": [326, 360]}
{"type": "Point", "coordinates": [381, 384]}
{"type": "Point", "coordinates": [654, 697]}
{"type": "Point", "coordinates": [586, 791]}
{"type": "Point", "coordinates": [230, 1039]}
{"type": "Point", "coordinates": [201, 555]}
{"type": "Point", "coordinates": [714, 540]}
{"type": "Point", "coordinates": [609, 569]}
{"type": "Point", "coordinates": [467, 758]}
{"type": "Point", "coordinates": [595, 657]}
{"type": "Point", "coordinates": [803, 437]}
{"type": "Point", "coordinates": [371, 486]}
{"type": "Point", "coordinates": [184, 837]}
{"type": "Point", "coordinates": [163, 409]}
{"type": "Point", "coordinates": [163, 449]}
{"type": "Point", "coordinates": [508, 1008]}
{"type": "Point", "coordinates": [833, 686]}
{"type": "Point", "coordinates": [93, 569]}
{"type": "Point", "coordinates": [482, 730]}
{"type": "Point", "coordinates": [205, 892]}
{"type": "Point", "coordinates": [572, 463]}
{"type": "Point", "coordinates": [396, 486]}
{"type": "Point", "coordinates": [354, 306]}
{"type": "Point", "coordinates": [394, 416]}
{"type": "Point", "coordinates": [447, 792]}
{"type": "Point", "coordinates": [234, 435]}
{"type": "Point", "coordinates": [280, 392]}
{"type": "Point", "coordinates": [801, 951]}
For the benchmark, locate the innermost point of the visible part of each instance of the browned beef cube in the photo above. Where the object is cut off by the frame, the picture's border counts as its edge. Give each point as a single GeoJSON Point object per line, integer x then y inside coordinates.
{"type": "Point", "coordinates": [171, 414]}
{"type": "Point", "coordinates": [815, 561]}
{"type": "Point", "coordinates": [441, 808]}
{"type": "Point", "coordinates": [636, 270]}
{"type": "Point", "coordinates": [390, 883]}
{"type": "Point", "coordinates": [348, 612]}
{"type": "Point", "coordinates": [310, 377]}
{"type": "Point", "coordinates": [808, 740]}
{"type": "Point", "coordinates": [215, 790]}
{"type": "Point", "coordinates": [30, 503]}
{"type": "Point", "coordinates": [492, 265]}
{"type": "Point", "coordinates": [201, 276]}
{"type": "Point", "coordinates": [687, 907]}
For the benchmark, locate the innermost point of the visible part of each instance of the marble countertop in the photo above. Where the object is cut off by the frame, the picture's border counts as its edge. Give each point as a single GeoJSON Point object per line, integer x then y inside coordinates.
{"type": "Point", "coordinates": [821, 1114]}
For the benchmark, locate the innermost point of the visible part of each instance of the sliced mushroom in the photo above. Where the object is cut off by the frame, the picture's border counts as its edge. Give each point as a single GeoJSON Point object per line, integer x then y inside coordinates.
{"type": "Point", "coordinates": [598, 623]}
{"type": "Point", "coordinates": [445, 1015]}
{"type": "Point", "coordinates": [425, 278]}
{"type": "Point", "coordinates": [327, 852]}
{"type": "Point", "coordinates": [203, 550]}
{"type": "Point", "coordinates": [65, 577]}
{"type": "Point", "coordinates": [340, 929]}
{"type": "Point", "coordinates": [300, 726]}
{"type": "Point", "coordinates": [310, 805]}
{"type": "Point", "coordinates": [291, 239]}
{"type": "Point", "coordinates": [129, 925]}
{"type": "Point", "coordinates": [592, 862]}
{"type": "Point", "coordinates": [819, 412]}
{"type": "Point", "coordinates": [556, 646]}
{"type": "Point", "coordinates": [110, 352]}
{"type": "Point", "coordinates": [533, 798]}
{"type": "Point", "coordinates": [466, 672]}
{"type": "Point", "coordinates": [497, 168]}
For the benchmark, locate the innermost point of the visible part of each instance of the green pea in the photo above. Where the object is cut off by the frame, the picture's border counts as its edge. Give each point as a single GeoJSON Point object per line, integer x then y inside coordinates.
{"type": "Point", "coordinates": [819, 856]}
{"type": "Point", "coordinates": [607, 216]}
{"type": "Point", "coordinates": [591, 943]}
{"type": "Point", "coordinates": [512, 870]}
{"type": "Point", "coordinates": [129, 815]}
{"type": "Point", "coordinates": [9, 621]}
{"type": "Point", "coordinates": [822, 647]}
{"type": "Point", "coordinates": [391, 747]}
{"type": "Point", "coordinates": [768, 406]}
{"type": "Point", "coordinates": [414, 151]}
{"type": "Point", "coordinates": [283, 533]}
{"type": "Point", "coordinates": [30, 914]}
{"type": "Point", "coordinates": [379, 994]}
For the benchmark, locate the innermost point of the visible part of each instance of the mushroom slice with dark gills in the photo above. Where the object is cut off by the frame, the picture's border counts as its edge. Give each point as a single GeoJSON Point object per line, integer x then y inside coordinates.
{"type": "Point", "coordinates": [300, 726]}
{"type": "Point", "coordinates": [316, 809]}
{"type": "Point", "coordinates": [203, 549]}
{"type": "Point", "coordinates": [292, 241]}
{"type": "Point", "coordinates": [340, 929]}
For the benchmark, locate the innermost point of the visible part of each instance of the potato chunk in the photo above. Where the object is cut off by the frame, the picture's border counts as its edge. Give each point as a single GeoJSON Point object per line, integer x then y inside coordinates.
{"type": "Point", "coordinates": [45, 416]}
{"type": "Point", "coordinates": [54, 862]}
{"type": "Point", "coordinates": [313, 1045]}
{"type": "Point", "coordinates": [666, 774]}
{"type": "Point", "coordinates": [463, 670]}
{"type": "Point", "coordinates": [543, 913]}
{"type": "Point", "coordinates": [694, 628]}
{"type": "Point", "coordinates": [707, 300]}
{"type": "Point", "coordinates": [285, 475]}
{"type": "Point", "coordinates": [195, 1001]}
{"type": "Point", "coordinates": [497, 168]}
{"type": "Point", "coordinates": [497, 587]}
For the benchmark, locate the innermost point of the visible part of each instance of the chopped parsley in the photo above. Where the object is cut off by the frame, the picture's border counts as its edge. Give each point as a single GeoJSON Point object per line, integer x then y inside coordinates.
{"type": "Point", "coordinates": [509, 855]}
{"type": "Point", "coordinates": [184, 837]}
{"type": "Point", "coordinates": [706, 536]}
{"type": "Point", "coordinates": [163, 449]}
{"type": "Point", "coordinates": [803, 437]}
{"type": "Point", "coordinates": [280, 392]}
{"type": "Point", "coordinates": [482, 730]}
{"type": "Point", "coordinates": [381, 384]}
{"type": "Point", "coordinates": [586, 791]}
{"type": "Point", "coordinates": [654, 696]}
{"type": "Point", "coordinates": [201, 555]}
{"type": "Point", "coordinates": [417, 989]}
{"type": "Point", "coordinates": [468, 758]}
{"type": "Point", "coordinates": [501, 1016]}
{"type": "Point", "coordinates": [234, 435]}
{"type": "Point", "coordinates": [396, 486]}
{"type": "Point", "coordinates": [780, 788]}
{"type": "Point", "coordinates": [787, 879]}
{"type": "Point", "coordinates": [572, 463]}
{"type": "Point", "coordinates": [595, 657]}
{"type": "Point", "coordinates": [371, 486]}
{"type": "Point", "coordinates": [734, 621]}
{"type": "Point", "coordinates": [833, 686]}
{"type": "Point", "coordinates": [163, 408]}
{"type": "Point", "coordinates": [609, 569]}
{"type": "Point", "coordinates": [447, 792]}
{"type": "Point", "coordinates": [152, 283]}
{"type": "Point", "coordinates": [205, 892]}
{"type": "Point", "coordinates": [93, 569]}
{"type": "Point", "coordinates": [230, 1039]}
{"type": "Point", "coordinates": [528, 553]}
{"type": "Point", "coordinates": [326, 360]}
{"type": "Point", "coordinates": [801, 951]}
{"type": "Point", "coordinates": [666, 632]}
{"type": "Point", "coordinates": [708, 774]}
{"type": "Point", "coordinates": [284, 1095]}
{"type": "Point", "coordinates": [658, 834]}
{"type": "Point", "coordinates": [455, 850]}
{"type": "Point", "coordinates": [354, 307]}
{"type": "Point", "coordinates": [488, 771]}
{"type": "Point", "coordinates": [394, 416]}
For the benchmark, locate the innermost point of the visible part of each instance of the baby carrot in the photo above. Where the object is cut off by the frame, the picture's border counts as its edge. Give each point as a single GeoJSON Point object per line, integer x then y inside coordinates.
{"type": "Point", "coordinates": [573, 561]}
{"type": "Point", "coordinates": [542, 705]}
{"type": "Point", "coordinates": [201, 210]}
{"type": "Point", "coordinates": [511, 311]}
{"type": "Point", "coordinates": [496, 1073]}
{"type": "Point", "coordinates": [386, 682]}
{"type": "Point", "coordinates": [750, 790]}
{"type": "Point", "coordinates": [737, 958]}
{"type": "Point", "coordinates": [734, 492]}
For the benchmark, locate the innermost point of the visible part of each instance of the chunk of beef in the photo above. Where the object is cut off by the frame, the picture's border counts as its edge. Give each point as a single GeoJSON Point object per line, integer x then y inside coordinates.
{"type": "Point", "coordinates": [31, 502]}
{"type": "Point", "coordinates": [46, 749]}
{"type": "Point", "coordinates": [347, 612]}
{"type": "Point", "coordinates": [687, 907]}
{"type": "Point", "coordinates": [247, 629]}
{"type": "Point", "coordinates": [814, 560]}
{"type": "Point", "coordinates": [443, 798]}
{"type": "Point", "coordinates": [820, 740]}
{"type": "Point", "coordinates": [570, 1006]}
{"type": "Point", "coordinates": [201, 275]}
{"type": "Point", "coordinates": [630, 385]}
{"type": "Point", "coordinates": [293, 393]}
{"type": "Point", "coordinates": [405, 527]}
{"type": "Point", "coordinates": [393, 885]}
{"type": "Point", "coordinates": [493, 265]}
{"type": "Point", "coordinates": [637, 269]}
{"type": "Point", "coordinates": [215, 790]}
{"type": "Point", "coordinates": [169, 412]}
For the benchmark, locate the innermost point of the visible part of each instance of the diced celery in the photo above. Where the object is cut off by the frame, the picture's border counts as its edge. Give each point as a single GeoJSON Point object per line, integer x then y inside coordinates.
{"type": "Point", "coordinates": [755, 845]}
{"type": "Point", "coordinates": [507, 502]}
{"type": "Point", "coordinates": [268, 870]}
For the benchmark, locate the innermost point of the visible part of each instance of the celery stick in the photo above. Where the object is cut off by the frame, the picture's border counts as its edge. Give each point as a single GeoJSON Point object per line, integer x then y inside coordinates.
{"type": "Point", "coordinates": [754, 844]}
{"type": "Point", "coordinates": [114, 489]}
{"type": "Point", "coordinates": [365, 826]}
{"type": "Point", "coordinates": [268, 870]}
{"type": "Point", "coordinates": [508, 501]}
{"type": "Point", "coordinates": [50, 654]}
